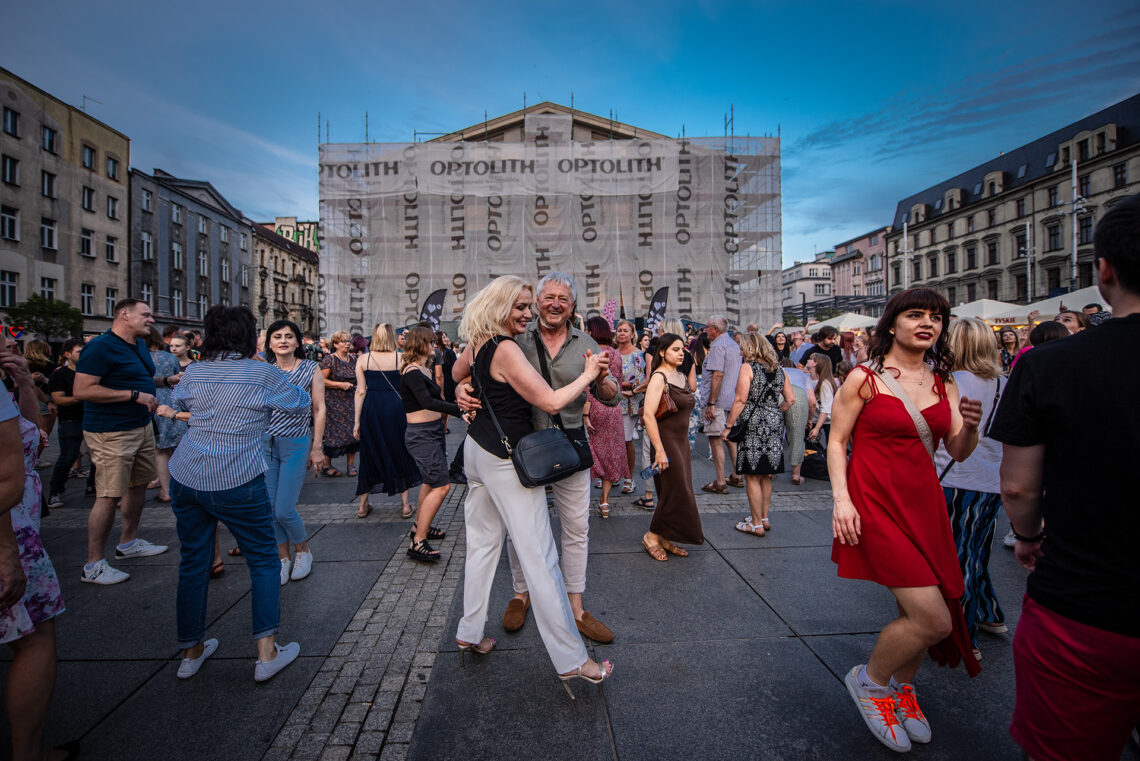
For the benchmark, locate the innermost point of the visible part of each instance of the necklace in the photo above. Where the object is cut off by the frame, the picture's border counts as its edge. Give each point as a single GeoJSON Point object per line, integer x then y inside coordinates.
{"type": "Point", "coordinates": [898, 376]}
{"type": "Point", "coordinates": [287, 369]}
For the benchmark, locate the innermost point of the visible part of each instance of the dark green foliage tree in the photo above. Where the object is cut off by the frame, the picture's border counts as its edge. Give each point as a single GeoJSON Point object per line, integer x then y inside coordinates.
{"type": "Point", "coordinates": [46, 318]}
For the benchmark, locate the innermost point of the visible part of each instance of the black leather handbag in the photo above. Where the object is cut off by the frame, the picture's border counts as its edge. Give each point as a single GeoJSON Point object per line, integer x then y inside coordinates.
{"type": "Point", "coordinates": [540, 458]}
{"type": "Point", "coordinates": [577, 436]}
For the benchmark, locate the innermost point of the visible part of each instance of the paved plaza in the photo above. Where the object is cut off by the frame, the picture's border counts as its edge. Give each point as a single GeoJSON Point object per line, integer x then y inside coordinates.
{"type": "Point", "coordinates": [736, 652]}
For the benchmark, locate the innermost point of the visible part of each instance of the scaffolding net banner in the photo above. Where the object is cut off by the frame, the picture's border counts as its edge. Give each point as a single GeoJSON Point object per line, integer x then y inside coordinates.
{"type": "Point", "coordinates": [624, 217]}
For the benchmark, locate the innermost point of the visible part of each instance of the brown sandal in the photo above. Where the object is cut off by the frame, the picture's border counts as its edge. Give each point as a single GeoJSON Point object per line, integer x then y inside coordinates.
{"type": "Point", "coordinates": [654, 550]}
{"type": "Point", "coordinates": [673, 549]}
{"type": "Point", "coordinates": [714, 488]}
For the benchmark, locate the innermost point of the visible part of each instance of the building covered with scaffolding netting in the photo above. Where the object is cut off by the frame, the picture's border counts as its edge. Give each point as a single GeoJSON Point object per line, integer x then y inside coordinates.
{"type": "Point", "coordinates": [625, 211]}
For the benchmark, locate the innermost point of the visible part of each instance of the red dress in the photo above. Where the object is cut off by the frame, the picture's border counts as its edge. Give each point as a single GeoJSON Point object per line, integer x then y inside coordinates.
{"type": "Point", "coordinates": [906, 539]}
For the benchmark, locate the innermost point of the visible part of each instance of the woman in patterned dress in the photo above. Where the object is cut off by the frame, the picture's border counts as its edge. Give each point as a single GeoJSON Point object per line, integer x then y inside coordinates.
{"type": "Point", "coordinates": [167, 371]}
{"type": "Point", "coordinates": [604, 424]}
{"type": "Point", "coordinates": [632, 376]}
{"type": "Point", "coordinates": [339, 369]}
{"type": "Point", "coordinates": [763, 393]}
{"type": "Point", "coordinates": [26, 622]}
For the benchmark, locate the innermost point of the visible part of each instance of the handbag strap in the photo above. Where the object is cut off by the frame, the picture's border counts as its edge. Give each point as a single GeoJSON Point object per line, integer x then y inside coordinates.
{"type": "Point", "coordinates": [491, 410]}
{"type": "Point", "coordinates": [985, 429]}
{"type": "Point", "coordinates": [919, 421]}
{"type": "Point", "coordinates": [557, 416]}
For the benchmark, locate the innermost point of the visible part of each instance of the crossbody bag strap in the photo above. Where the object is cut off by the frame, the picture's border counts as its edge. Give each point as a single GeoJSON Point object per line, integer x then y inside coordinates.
{"type": "Point", "coordinates": [557, 416]}
{"type": "Point", "coordinates": [487, 404]}
{"type": "Point", "coordinates": [919, 421]}
{"type": "Point", "coordinates": [985, 428]}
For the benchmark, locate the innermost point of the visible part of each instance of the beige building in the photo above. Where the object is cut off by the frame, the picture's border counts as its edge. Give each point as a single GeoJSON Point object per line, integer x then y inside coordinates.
{"type": "Point", "coordinates": [305, 233]}
{"type": "Point", "coordinates": [806, 282]}
{"type": "Point", "coordinates": [63, 204]}
{"type": "Point", "coordinates": [1008, 229]}
{"type": "Point", "coordinates": [286, 281]}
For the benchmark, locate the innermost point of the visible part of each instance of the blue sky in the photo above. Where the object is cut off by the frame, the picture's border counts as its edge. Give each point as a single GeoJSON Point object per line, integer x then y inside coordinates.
{"type": "Point", "coordinates": [874, 100]}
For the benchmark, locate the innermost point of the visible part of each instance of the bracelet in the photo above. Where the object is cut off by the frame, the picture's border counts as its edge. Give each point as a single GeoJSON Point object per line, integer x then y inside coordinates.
{"type": "Point", "coordinates": [134, 395]}
{"type": "Point", "coordinates": [1028, 539]}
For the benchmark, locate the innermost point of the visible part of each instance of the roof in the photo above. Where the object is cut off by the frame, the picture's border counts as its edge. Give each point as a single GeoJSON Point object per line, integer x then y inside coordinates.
{"type": "Point", "coordinates": [282, 242]}
{"type": "Point", "coordinates": [198, 190]}
{"type": "Point", "coordinates": [845, 257]}
{"type": "Point", "coordinates": [84, 114]}
{"type": "Point", "coordinates": [620, 130]}
{"type": "Point", "coordinates": [1125, 114]}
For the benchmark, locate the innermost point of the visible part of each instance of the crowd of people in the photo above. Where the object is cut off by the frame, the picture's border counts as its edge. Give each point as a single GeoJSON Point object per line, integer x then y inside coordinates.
{"type": "Point", "coordinates": [928, 427]}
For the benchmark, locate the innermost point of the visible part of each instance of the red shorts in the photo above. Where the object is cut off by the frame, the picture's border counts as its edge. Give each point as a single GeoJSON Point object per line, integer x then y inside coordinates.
{"type": "Point", "coordinates": [1078, 687]}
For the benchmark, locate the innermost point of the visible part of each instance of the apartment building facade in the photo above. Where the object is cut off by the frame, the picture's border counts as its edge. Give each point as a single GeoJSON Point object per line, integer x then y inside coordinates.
{"type": "Point", "coordinates": [805, 282]}
{"type": "Point", "coordinates": [63, 204]}
{"type": "Point", "coordinates": [286, 283]}
{"type": "Point", "coordinates": [860, 265]}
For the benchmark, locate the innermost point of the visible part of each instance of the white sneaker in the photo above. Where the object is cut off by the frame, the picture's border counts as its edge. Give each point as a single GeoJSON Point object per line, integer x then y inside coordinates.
{"type": "Point", "coordinates": [878, 712]}
{"type": "Point", "coordinates": [906, 708]}
{"type": "Point", "coordinates": [189, 666]}
{"type": "Point", "coordinates": [286, 564]}
{"type": "Point", "coordinates": [302, 565]}
{"type": "Point", "coordinates": [1010, 540]}
{"type": "Point", "coordinates": [597, 483]}
{"type": "Point", "coordinates": [266, 670]}
{"type": "Point", "coordinates": [104, 574]}
{"type": "Point", "coordinates": [55, 501]}
{"type": "Point", "coordinates": [140, 549]}
{"type": "Point", "coordinates": [993, 627]}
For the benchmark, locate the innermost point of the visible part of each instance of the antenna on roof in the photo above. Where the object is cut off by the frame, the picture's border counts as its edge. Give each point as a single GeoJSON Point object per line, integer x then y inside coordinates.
{"type": "Point", "coordinates": [318, 128]}
{"type": "Point", "coordinates": [611, 124]}
{"type": "Point", "coordinates": [365, 126]}
{"type": "Point", "coordinates": [485, 138]}
{"type": "Point", "coordinates": [524, 101]}
{"type": "Point", "coordinates": [326, 130]}
{"type": "Point", "coordinates": [86, 98]}
{"type": "Point", "coordinates": [571, 101]}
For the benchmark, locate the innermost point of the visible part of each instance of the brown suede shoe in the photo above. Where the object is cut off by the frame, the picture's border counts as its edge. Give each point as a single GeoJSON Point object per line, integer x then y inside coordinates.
{"type": "Point", "coordinates": [515, 616]}
{"type": "Point", "coordinates": [594, 629]}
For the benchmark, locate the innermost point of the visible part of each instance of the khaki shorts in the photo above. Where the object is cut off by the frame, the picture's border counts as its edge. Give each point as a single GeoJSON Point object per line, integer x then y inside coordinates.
{"type": "Point", "coordinates": [122, 459]}
{"type": "Point", "coordinates": [716, 425]}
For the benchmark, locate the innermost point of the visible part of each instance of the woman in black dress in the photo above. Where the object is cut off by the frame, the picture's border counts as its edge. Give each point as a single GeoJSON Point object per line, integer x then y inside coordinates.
{"type": "Point", "coordinates": [763, 393]}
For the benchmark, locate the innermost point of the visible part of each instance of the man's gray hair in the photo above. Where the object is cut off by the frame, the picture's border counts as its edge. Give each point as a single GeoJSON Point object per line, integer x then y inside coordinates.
{"type": "Point", "coordinates": [720, 322]}
{"type": "Point", "coordinates": [560, 278]}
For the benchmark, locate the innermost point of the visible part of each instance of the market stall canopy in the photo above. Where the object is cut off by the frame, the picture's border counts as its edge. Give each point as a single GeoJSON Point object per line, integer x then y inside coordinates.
{"type": "Point", "coordinates": [848, 321]}
{"type": "Point", "coordinates": [1075, 300]}
{"type": "Point", "coordinates": [983, 309]}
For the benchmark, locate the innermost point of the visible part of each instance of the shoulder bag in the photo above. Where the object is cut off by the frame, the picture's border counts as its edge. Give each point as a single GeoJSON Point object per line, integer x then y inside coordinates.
{"type": "Point", "coordinates": [739, 429]}
{"type": "Point", "coordinates": [666, 404]}
{"type": "Point", "coordinates": [577, 436]}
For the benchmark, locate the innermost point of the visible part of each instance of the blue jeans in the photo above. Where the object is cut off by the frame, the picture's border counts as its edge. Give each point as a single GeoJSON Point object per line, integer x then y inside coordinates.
{"type": "Point", "coordinates": [70, 434]}
{"type": "Point", "coordinates": [285, 459]}
{"type": "Point", "coordinates": [245, 511]}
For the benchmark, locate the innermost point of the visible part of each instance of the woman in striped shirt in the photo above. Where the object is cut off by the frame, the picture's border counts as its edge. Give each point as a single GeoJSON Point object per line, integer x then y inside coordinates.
{"type": "Point", "coordinates": [293, 444]}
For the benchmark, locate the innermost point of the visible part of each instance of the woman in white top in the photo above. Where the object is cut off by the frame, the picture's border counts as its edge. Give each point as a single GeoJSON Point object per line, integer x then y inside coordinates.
{"type": "Point", "coordinates": [797, 416]}
{"type": "Point", "coordinates": [972, 487]}
{"type": "Point", "coordinates": [819, 365]}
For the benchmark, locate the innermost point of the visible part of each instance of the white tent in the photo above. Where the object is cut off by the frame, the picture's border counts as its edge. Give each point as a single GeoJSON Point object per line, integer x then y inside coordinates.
{"type": "Point", "coordinates": [1049, 308]}
{"type": "Point", "coordinates": [848, 321]}
{"type": "Point", "coordinates": [982, 309]}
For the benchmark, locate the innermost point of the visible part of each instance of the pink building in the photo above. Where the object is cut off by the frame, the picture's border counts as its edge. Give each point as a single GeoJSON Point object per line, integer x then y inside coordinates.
{"type": "Point", "coordinates": [859, 266]}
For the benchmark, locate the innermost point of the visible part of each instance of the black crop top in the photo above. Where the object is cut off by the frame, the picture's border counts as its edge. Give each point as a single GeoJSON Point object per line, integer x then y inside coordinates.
{"type": "Point", "coordinates": [512, 411]}
{"type": "Point", "coordinates": [419, 392]}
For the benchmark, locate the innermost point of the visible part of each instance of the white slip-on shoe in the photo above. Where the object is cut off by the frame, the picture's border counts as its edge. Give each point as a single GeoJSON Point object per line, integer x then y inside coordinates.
{"type": "Point", "coordinates": [302, 565]}
{"type": "Point", "coordinates": [878, 712]}
{"type": "Point", "coordinates": [266, 670]}
{"type": "Point", "coordinates": [104, 574]}
{"type": "Point", "coordinates": [140, 549]}
{"type": "Point", "coordinates": [189, 666]}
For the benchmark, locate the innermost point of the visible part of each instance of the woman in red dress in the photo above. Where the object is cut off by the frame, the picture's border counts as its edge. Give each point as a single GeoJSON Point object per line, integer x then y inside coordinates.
{"type": "Point", "coordinates": [890, 522]}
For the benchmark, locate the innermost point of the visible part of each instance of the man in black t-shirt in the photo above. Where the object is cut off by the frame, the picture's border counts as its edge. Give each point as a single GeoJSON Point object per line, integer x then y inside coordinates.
{"type": "Point", "coordinates": [1074, 513]}
{"type": "Point", "coordinates": [827, 343]}
{"type": "Point", "coordinates": [70, 428]}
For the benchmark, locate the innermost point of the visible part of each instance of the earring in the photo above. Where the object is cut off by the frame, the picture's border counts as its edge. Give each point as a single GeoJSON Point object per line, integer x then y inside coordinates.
{"type": "Point", "coordinates": [892, 332]}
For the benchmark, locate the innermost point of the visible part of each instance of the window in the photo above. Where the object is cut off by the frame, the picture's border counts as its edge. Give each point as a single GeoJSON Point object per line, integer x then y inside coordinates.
{"type": "Point", "coordinates": [244, 276]}
{"type": "Point", "coordinates": [1085, 229]}
{"type": "Point", "coordinates": [938, 205]}
{"type": "Point", "coordinates": [991, 217]}
{"type": "Point", "coordinates": [87, 298]}
{"type": "Point", "coordinates": [145, 293]}
{"type": "Point", "coordinates": [820, 290]}
{"type": "Point", "coordinates": [1053, 278]}
{"type": "Point", "coordinates": [896, 274]}
{"type": "Point", "coordinates": [47, 184]}
{"type": "Point", "coordinates": [1021, 170]}
{"type": "Point", "coordinates": [147, 246]}
{"type": "Point", "coordinates": [932, 261]}
{"type": "Point", "coordinates": [47, 288]}
{"type": "Point", "coordinates": [1019, 246]}
{"type": "Point", "coordinates": [991, 289]}
{"type": "Point", "coordinates": [1084, 274]}
{"type": "Point", "coordinates": [1100, 142]}
{"type": "Point", "coordinates": [49, 139]}
{"type": "Point", "coordinates": [176, 255]}
{"type": "Point", "coordinates": [1020, 284]}
{"type": "Point", "coordinates": [112, 248]}
{"type": "Point", "coordinates": [949, 230]}
{"type": "Point", "coordinates": [88, 196]}
{"type": "Point", "coordinates": [47, 233]}
{"type": "Point", "coordinates": [991, 252]}
{"type": "Point", "coordinates": [1083, 150]}
{"type": "Point", "coordinates": [176, 213]}
{"type": "Point", "coordinates": [992, 189]}
{"type": "Point", "coordinates": [146, 200]}
{"type": "Point", "coordinates": [856, 269]}
{"type": "Point", "coordinates": [112, 207]}
{"type": "Point", "coordinates": [1119, 175]}
{"type": "Point", "coordinates": [971, 258]}
{"type": "Point", "coordinates": [86, 241]}
{"type": "Point", "coordinates": [88, 157]}
{"type": "Point", "coordinates": [978, 189]}
{"type": "Point", "coordinates": [1065, 155]}
{"type": "Point", "coordinates": [112, 295]}
{"type": "Point", "coordinates": [112, 168]}
{"type": "Point", "coordinates": [1050, 160]}
{"type": "Point", "coordinates": [225, 232]}
{"type": "Point", "coordinates": [244, 242]}
{"type": "Point", "coordinates": [1020, 208]}
{"type": "Point", "coordinates": [952, 295]}
{"type": "Point", "coordinates": [11, 122]}
{"type": "Point", "coordinates": [1083, 186]}
{"type": "Point", "coordinates": [9, 223]}
{"type": "Point", "coordinates": [224, 267]}
{"type": "Point", "coordinates": [951, 262]}
{"type": "Point", "coordinates": [178, 303]}
{"type": "Point", "coordinates": [1053, 233]}
{"type": "Point", "coordinates": [971, 291]}
{"type": "Point", "coordinates": [201, 225]}
{"type": "Point", "coordinates": [917, 266]}
{"type": "Point", "coordinates": [10, 170]}
{"type": "Point", "coordinates": [7, 279]}
{"type": "Point", "coordinates": [916, 239]}
{"type": "Point", "coordinates": [203, 264]}
{"type": "Point", "coordinates": [203, 306]}
{"type": "Point", "coordinates": [1053, 197]}
{"type": "Point", "coordinates": [970, 223]}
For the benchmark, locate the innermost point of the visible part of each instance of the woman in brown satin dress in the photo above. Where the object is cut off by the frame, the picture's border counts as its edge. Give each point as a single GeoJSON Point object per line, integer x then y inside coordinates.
{"type": "Point", "coordinates": [676, 518]}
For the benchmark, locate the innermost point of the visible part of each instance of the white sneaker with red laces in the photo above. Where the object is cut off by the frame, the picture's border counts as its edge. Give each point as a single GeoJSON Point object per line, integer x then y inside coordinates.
{"type": "Point", "coordinates": [906, 708]}
{"type": "Point", "coordinates": [878, 711]}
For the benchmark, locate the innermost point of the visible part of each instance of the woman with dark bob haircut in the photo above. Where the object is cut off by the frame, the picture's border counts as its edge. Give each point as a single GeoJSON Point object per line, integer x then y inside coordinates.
{"type": "Point", "coordinates": [889, 521]}
{"type": "Point", "coordinates": [218, 474]}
